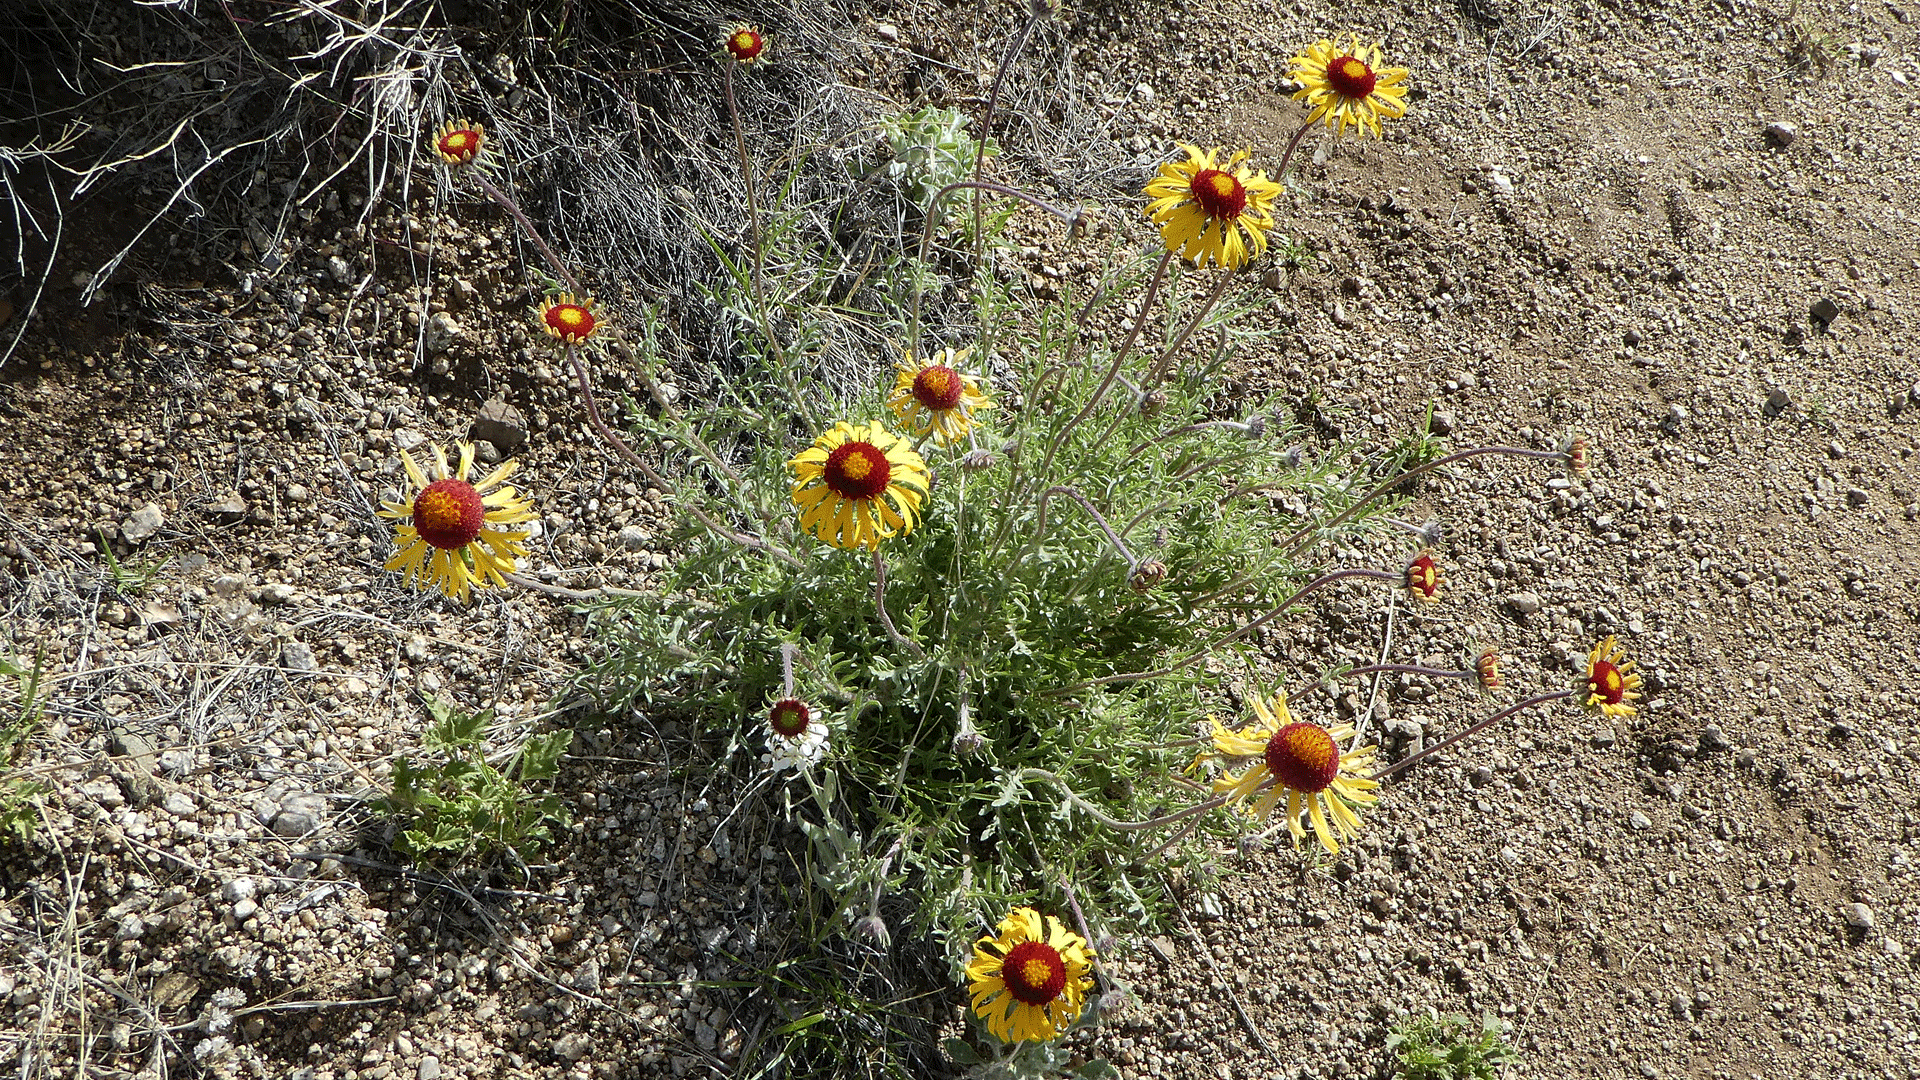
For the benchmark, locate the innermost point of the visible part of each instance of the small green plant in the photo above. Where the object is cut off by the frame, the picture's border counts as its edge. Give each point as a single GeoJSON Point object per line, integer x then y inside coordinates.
{"type": "Point", "coordinates": [1451, 1048]}
{"type": "Point", "coordinates": [19, 797]}
{"type": "Point", "coordinates": [130, 578]}
{"type": "Point", "coordinates": [1295, 253]}
{"type": "Point", "coordinates": [465, 807]}
{"type": "Point", "coordinates": [1810, 48]}
{"type": "Point", "coordinates": [931, 149]}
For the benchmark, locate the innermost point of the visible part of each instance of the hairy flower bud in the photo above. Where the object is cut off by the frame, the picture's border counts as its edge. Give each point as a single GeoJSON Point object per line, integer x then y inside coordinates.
{"type": "Point", "coordinates": [1147, 575]}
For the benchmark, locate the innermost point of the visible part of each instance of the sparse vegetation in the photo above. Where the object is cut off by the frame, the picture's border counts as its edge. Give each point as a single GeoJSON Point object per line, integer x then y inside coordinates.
{"type": "Point", "coordinates": [460, 807]}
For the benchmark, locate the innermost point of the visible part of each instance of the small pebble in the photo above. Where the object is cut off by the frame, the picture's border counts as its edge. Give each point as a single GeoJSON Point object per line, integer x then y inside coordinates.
{"type": "Point", "coordinates": [1859, 916]}
{"type": "Point", "coordinates": [1524, 603]}
{"type": "Point", "coordinates": [1639, 820]}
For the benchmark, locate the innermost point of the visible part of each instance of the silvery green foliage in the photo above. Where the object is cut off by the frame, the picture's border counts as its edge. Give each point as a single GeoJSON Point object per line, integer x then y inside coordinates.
{"type": "Point", "coordinates": [931, 149]}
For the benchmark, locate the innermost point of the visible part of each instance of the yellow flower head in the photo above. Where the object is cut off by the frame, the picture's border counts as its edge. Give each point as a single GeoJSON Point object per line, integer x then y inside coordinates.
{"type": "Point", "coordinates": [859, 484]}
{"type": "Point", "coordinates": [1211, 210]}
{"type": "Point", "coordinates": [1030, 982]}
{"type": "Point", "coordinates": [745, 43]}
{"type": "Point", "coordinates": [936, 399]}
{"type": "Point", "coordinates": [569, 319]}
{"type": "Point", "coordinates": [1609, 685]}
{"type": "Point", "coordinates": [1302, 761]}
{"type": "Point", "coordinates": [459, 142]}
{"type": "Point", "coordinates": [454, 536]}
{"type": "Point", "coordinates": [1346, 84]}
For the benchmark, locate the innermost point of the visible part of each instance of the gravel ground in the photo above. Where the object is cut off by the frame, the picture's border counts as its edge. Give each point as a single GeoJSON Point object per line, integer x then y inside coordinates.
{"type": "Point", "coordinates": [1645, 224]}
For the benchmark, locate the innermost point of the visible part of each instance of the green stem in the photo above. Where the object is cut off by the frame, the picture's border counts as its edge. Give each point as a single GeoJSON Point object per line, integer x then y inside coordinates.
{"type": "Point", "coordinates": [1470, 732]}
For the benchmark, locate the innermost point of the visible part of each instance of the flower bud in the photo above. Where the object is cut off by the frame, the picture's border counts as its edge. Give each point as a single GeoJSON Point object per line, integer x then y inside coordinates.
{"type": "Point", "coordinates": [1147, 575]}
{"type": "Point", "coordinates": [874, 929]}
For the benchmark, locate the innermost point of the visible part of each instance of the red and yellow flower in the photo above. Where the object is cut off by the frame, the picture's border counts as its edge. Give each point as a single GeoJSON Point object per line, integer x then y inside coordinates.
{"type": "Point", "coordinates": [459, 142]}
{"type": "Point", "coordinates": [859, 484]}
{"type": "Point", "coordinates": [569, 319]}
{"type": "Point", "coordinates": [1030, 981]}
{"type": "Point", "coordinates": [1609, 685]}
{"type": "Point", "coordinates": [1346, 84]}
{"type": "Point", "coordinates": [1302, 762]}
{"type": "Point", "coordinates": [936, 399]}
{"type": "Point", "coordinates": [1209, 210]}
{"type": "Point", "coordinates": [454, 537]}
{"type": "Point", "coordinates": [1423, 578]}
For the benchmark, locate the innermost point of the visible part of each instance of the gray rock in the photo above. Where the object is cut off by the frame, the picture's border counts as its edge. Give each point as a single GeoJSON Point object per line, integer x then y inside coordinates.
{"type": "Point", "coordinates": [1857, 497]}
{"type": "Point", "coordinates": [1639, 820]}
{"type": "Point", "coordinates": [142, 523]}
{"type": "Point", "coordinates": [227, 586]}
{"type": "Point", "coordinates": [1777, 402]}
{"type": "Point", "coordinates": [229, 507]}
{"type": "Point", "coordinates": [1524, 603]}
{"type": "Point", "coordinates": [1443, 422]}
{"type": "Point", "coordinates": [298, 656]}
{"type": "Point", "coordinates": [179, 804]}
{"type": "Point", "coordinates": [238, 889]}
{"type": "Point", "coordinates": [341, 269]}
{"type": "Point", "coordinates": [278, 592]}
{"type": "Point", "coordinates": [245, 910]}
{"type": "Point", "coordinates": [500, 424]}
{"type": "Point", "coordinates": [633, 537]}
{"type": "Point", "coordinates": [1500, 182]}
{"type": "Point", "coordinates": [1781, 134]}
{"type": "Point", "coordinates": [430, 1068]}
{"type": "Point", "coordinates": [1823, 310]}
{"type": "Point", "coordinates": [130, 929]}
{"type": "Point", "coordinates": [586, 977]}
{"type": "Point", "coordinates": [1713, 740]}
{"type": "Point", "coordinates": [442, 332]}
{"type": "Point", "coordinates": [1858, 916]}
{"type": "Point", "coordinates": [300, 813]}
{"type": "Point", "coordinates": [572, 1046]}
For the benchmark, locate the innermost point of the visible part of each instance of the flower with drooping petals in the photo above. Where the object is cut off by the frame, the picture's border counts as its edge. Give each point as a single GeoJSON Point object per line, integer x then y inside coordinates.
{"type": "Point", "coordinates": [859, 484]}
{"type": "Point", "coordinates": [1210, 210]}
{"type": "Point", "coordinates": [745, 43]}
{"type": "Point", "coordinates": [459, 142]}
{"type": "Point", "coordinates": [1301, 761]}
{"type": "Point", "coordinates": [455, 538]}
{"type": "Point", "coordinates": [1030, 982]}
{"type": "Point", "coordinates": [936, 399]}
{"type": "Point", "coordinates": [1423, 578]}
{"type": "Point", "coordinates": [1347, 84]}
{"type": "Point", "coordinates": [1609, 685]}
{"type": "Point", "coordinates": [1486, 668]}
{"type": "Point", "coordinates": [1579, 463]}
{"type": "Point", "coordinates": [796, 739]}
{"type": "Point", "coordinates": [569, 319]}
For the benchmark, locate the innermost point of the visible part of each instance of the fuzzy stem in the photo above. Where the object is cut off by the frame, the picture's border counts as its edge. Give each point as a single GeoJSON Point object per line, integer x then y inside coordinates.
{"type": "Point", "coordinates": [1280, 174]}
{"type": "Point", "coordinates": [880, 606]}
{"type": "Point", "coordinates": [1159, 369]}
{"type": "Point", "coordinates": [1558, 695]}
{"type": "Point", "coordinates": [926, 237]}
{"type": "Point", "coordinates": [1297, 542]}
{"type": "Point", "coordinates": [507, 203]}
{"type": "Point", "coordinates": [599, 425]}
{"type": "Point", "coordinates": [1040, 527]}
{"type": "Point", "coordinates": [757, 280]}
{"type": "Point", "coordinates": [1368, 669]}
{"type": "Point", "coordinates": [986, 116]}
{"type": "Point", "coordinates": [1108, 820]}
{"type": "Point", "coordinates": [1278, 610]}
{"type": "Point", "coordinates": [787, 649]}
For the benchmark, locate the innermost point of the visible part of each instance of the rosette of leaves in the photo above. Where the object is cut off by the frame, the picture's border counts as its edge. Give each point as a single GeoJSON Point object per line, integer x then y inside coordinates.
{"type": "Point", "coordinates": [464, 807]}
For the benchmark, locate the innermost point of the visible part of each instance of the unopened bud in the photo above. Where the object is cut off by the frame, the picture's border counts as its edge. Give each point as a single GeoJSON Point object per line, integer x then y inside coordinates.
{"type": "Point", "coordinates": [978, 460]}
{"type": "Point", "coordinates": [1256, 426]}
{"type": "Point", "coordinates": [1578, 461]}
{"type": "Point", "coordinates": [1147, 575]}
{"type": "Point", "coordinates": [1152, 402]}
{"type": "Point", "coordinates": [874, 929]}
{"type": "Point", "coordinates": [967, 741]}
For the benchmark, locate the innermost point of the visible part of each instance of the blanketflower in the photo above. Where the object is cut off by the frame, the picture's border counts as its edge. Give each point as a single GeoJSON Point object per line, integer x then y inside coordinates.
{"type": "Point", "coordinates": [745, 43]}
{"type": "Point", "coordinates": [1486, 667]}
{"type": "Point", "coordinates": [1030, 982]}
{"type": "Point", "coordinates": [459, 142]}
{"type": "Point", "coordinates": [1302, 761]}
{"type": "Point", "coordinates": [859, 484]}
{"type": "Point", "coordinates": [1211, 210]}
{"type": "Point", "coordinates": [455, 538]}
{"type": "Point", "coordinates": [796, 739]}
{"type": "Point", "coordinates": [569, 319]}
{"type": "Point", "coordinates": [1423, 578]}
{"type": "Point", "coordinates": [1347, 84]}
{"type": "Point", "coordinates": [1609, 685]}
{"type": "Point", "coordinates": [935, 399]}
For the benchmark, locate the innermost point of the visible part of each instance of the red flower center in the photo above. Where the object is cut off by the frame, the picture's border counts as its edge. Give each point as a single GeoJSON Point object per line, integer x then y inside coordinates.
{"type": "Point", "coordinates": [1350, 77]}
{"type": "Point", "coordinates": [1423, 577]}
{"type": "Point", "coordinates": [744, 44]}
{"type": "Point", "coordinates": [857, 470]}
{"type": "Point", "coordinates": [460, 143]}
{"type": "Point", "coordinates": [1219, 193]}
{"type": "Point", "coordinates": [1605, 682]}
{"type": "Point", "coordinates": [571, 322]}
{"type": "Point", "coordinates": [1034, 972]}
{"type": "Point", "coordinates": [938, 387]}
{"type": "Point", "coordinates": [789, 717]}
{"type": "Point", "coordinates": [1303, 757]}
{"type": "Point", "coordinates": [448, 514]}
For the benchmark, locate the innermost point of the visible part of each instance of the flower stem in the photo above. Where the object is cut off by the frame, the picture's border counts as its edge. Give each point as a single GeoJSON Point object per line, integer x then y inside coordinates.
{"type": "Point", "coordinates": [756, 279]}
{"type": "Point", "coordinates": [1013, 52]}
{"type": "Point", "coordinates": [1296, 543]}
{"type": "Point", "coordinates": [1280, 174]}
{"type": "Point", "coordinates": [880, 607]}
{"type": "Point", "coordinates": [1368, 669]}
{"type": "Point", "coordinates": [1557, 695]}
{"type": "Point", "coordinates": [1119, 545]}
{"type": "Point", "coordinates": [926, 237]}
{"type": "Point", "coordinates": [507, 203]}
{"type": "Point", "coordinates": [599, 425]}
{"type": "Point", "coordinates": [1228, 639]}
{"type": "Point", "coordinates": [1112, 822]}
{"type": "Point", "coordinates": [1159, 369]}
